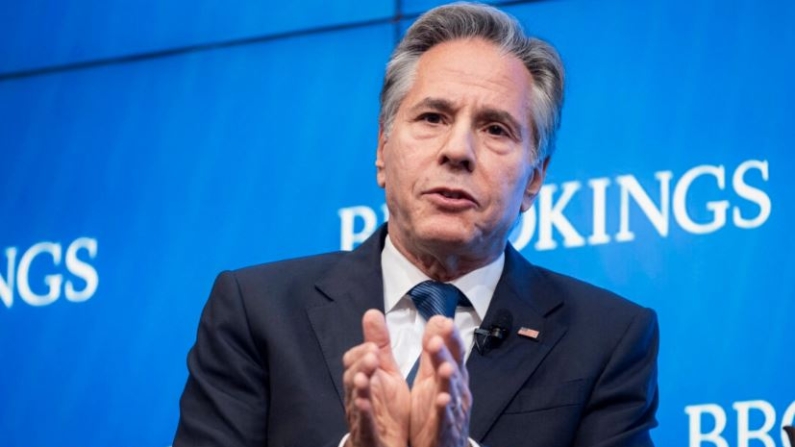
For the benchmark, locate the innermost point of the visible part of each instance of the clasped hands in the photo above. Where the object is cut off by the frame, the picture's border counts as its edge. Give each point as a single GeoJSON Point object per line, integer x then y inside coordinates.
{"type": "Point", "coordinates": [381, 411]}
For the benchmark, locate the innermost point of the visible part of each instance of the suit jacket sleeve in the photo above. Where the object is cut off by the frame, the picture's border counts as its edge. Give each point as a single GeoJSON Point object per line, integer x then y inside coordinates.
{"type": "Point", "coordinates": [225, 401]}
{"type": "Point", "coordinates": [621, 408]}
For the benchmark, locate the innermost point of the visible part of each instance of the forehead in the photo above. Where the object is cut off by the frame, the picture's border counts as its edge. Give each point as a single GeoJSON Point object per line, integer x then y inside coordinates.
{"type": "Point", "coordinates": [473, 72]}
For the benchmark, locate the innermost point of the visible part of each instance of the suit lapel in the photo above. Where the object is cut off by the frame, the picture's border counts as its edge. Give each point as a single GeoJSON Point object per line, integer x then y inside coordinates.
{"type": "Point", "coordinates": [497, 376]}
{"type": "Point", "coordinates": [350, 288]}
{"type": "Point", "coordinates": [355, 285]}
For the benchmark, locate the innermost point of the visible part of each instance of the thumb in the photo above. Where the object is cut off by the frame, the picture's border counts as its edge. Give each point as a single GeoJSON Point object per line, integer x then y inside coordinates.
{"type": "Point", "coordinates": [375, 331]}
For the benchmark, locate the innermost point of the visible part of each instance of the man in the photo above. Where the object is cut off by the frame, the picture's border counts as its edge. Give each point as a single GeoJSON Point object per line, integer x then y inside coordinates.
{"type": "Point", "coordinates": [300, 352]}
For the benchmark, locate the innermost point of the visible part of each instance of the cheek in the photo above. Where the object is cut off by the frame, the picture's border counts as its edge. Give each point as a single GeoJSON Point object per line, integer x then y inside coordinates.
{"type": "Point", "coordinates": [403, 163]}
{"type": "Point", "coordinates": [394, 168]}
{"type": "Point", "coordinates": [511, 185]}
{"type": "Point", "coordinates": [399, 172]}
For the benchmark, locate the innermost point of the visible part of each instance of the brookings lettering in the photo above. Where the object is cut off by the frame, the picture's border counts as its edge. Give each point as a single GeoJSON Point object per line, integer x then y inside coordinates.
{"type": "Point", "coordinates": [547, 218]}
{"type": "Point", "coordinates": [17, 274]}
{"type": "Point", "coordinates": [707, 424]}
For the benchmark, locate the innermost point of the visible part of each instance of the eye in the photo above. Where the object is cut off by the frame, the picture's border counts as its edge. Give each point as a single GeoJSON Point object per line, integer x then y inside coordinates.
{"type": "Point", "coordinates": [497, 130]}
{"type": "Point", "coordinates": [431, 118]}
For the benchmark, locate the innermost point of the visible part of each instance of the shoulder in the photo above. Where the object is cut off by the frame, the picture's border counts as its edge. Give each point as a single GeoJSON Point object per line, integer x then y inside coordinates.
{"type": "Point", "coordinates": [296, 277]}
{"type": "Point", "coordinates": [566, 297]}
{"type": "Point", "coordinates": [270, 293]}
{"type": "Point", "coordinates": [582, 294]}
{"type": "Point", "coordinates": [608, 332]}
{"type": "Point", "coordinates": [285, 270]}
{"type": "Point", "coordinates": [347, 265]}
{"type": "Point", "coordinates": [598, 317]}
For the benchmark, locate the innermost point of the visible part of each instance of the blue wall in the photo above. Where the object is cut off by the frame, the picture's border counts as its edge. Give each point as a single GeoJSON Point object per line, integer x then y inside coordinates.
{"type": "Point", "coordinates": [145, 147]}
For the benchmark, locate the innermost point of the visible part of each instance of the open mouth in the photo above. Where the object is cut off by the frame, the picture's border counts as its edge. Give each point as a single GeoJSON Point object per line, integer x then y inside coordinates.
{"type": "Point", "coordinates": [454, 195]}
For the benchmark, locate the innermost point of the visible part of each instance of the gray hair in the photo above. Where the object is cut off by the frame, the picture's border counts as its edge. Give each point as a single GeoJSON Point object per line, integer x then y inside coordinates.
{"type": "Point", "coordinates": [472, 20]}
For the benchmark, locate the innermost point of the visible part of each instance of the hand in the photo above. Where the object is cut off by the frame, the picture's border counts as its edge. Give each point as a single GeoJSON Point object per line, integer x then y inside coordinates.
{"type": "Point", "coordinates": [377, 399]}
{"type": "Point", "coordinates": [440, 397]}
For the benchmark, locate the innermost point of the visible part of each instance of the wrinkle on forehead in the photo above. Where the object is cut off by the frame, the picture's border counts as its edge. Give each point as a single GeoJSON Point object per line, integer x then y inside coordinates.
{"type": "Point", "coordinates": [494, 79]}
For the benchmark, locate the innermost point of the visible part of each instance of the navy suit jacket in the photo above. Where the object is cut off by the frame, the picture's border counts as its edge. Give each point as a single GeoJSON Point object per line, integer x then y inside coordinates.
{"type": "Point", "coordinates": [266, 369]}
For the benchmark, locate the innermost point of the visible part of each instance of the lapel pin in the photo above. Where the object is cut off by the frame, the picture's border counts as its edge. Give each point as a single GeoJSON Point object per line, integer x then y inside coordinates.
{"type": "Point", "coordinates": [529, 333]}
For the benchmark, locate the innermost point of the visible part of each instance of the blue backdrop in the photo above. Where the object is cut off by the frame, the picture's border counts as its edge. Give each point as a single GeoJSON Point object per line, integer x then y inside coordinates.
{"type": "Point", "coordinates": [145, 147]}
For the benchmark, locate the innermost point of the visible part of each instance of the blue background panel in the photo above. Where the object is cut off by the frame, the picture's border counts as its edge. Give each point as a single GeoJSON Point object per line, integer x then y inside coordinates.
{"type": "Point", "coordinates": [42, 33]}
{"type": "Point", "coordinates": [419, 6]}
{"type": "Point", "coordinates": [655, 87]}
{"type": "Point", "coordinates": [182, 166]}
{"type": "Point", "coordinates": [179, 167]}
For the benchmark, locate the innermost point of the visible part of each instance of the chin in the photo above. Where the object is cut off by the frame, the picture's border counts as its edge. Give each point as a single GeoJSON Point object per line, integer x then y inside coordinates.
{"type": "Point", "coordinates": [446, 234]}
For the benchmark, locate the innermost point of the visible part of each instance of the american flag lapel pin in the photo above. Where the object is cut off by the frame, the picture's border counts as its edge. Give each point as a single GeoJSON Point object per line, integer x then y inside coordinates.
{"type": "Point", "coordinates": [529, 333]}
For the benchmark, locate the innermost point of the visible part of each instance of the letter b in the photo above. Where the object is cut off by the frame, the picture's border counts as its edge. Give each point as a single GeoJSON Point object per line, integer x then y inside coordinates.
{"type": "Point", "coordinates": [697, 437]}
{"type": "Point", "coordinates": [348, 236]}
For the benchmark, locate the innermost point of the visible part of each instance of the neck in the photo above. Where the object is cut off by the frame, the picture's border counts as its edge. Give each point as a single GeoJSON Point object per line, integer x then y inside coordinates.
{"type": "Point", "coordinates": [445, 265]}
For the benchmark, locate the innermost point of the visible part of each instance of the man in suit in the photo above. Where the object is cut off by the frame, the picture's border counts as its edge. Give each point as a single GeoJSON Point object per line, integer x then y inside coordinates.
{"type": "Point", "coordinates": [321, 350]}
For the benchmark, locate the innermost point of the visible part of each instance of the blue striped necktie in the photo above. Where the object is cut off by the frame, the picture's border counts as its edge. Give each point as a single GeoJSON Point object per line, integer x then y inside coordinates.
{"type": "Point", "coordinates": [435, 298]}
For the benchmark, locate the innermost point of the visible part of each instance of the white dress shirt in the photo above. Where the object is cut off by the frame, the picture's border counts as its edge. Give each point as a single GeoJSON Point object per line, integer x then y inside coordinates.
{"type": "Point", "coordinates": [405, 323]}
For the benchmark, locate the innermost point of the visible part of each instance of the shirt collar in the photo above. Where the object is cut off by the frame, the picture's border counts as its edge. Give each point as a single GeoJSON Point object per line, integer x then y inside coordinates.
{"type": "Point", "coordinates": [400, 276]}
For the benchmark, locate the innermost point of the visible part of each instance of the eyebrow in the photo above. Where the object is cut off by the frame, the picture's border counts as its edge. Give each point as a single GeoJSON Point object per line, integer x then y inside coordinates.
{"type": "Point", "coordinates": [487, 114]}
{"type": "Point", "coordinates": [439, 104]}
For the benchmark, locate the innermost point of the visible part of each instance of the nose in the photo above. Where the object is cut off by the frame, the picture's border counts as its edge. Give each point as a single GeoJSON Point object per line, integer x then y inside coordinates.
{"type": "Point", "coordinates": [458, 151]}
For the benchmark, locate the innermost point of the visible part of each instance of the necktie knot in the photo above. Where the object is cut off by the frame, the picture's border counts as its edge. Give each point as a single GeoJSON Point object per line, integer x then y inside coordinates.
{"type": "Point", "coordinates": [437, 298]}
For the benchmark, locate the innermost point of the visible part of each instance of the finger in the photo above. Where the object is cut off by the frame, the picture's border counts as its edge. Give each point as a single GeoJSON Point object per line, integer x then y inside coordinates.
{"type": "Point", "coordinates": [452, 406]}
{"type": "Point", "coordinates": [455, 345]}
{"type": "Point", "coordinates": [437, 326]}
{"type": "Point", "coordinates": [376, 332]}
{"type": "Point", "coordinates": [444, 374]}
{"type": "Point", "coordinates": [359, 412]}
{"type": "Point", "coordinates": [446, 328]}
{"type": "Point", "coordinates": [374, 328]}
{"type": "Point", "coordinates": [355, 353]}
{"type": "Point", "coordinates": [366, 365]}
{"type": "Point", "coordinates": [442, 401]}
{"type": "Point", "coordinates": [361, 392]}
{"type": "Point", "coordinates": [363, 362]}
{"type": "Point", "coordinates": [439, 332]}
{"type": "Point", "coordinates": [438, 352]}
{"type": "Point", "coordinates": [452, 378]}
{"type": "Point", "coordinates": [452, 382]}
{"type": "Point", "coordinates": [455, 398]}
{"type": "Point", "coordinates": [358, 404]}
{"type": "Point", "coordinates": [363, 358]}
{"type": "Point", "coordinates": [442, 362]}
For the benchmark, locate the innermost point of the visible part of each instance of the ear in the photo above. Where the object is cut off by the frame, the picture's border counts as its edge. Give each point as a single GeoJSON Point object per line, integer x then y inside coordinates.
{"type": "Point", "coordinates": [534, 183]}
{"type": "Point", "coordinates": [380, 175]}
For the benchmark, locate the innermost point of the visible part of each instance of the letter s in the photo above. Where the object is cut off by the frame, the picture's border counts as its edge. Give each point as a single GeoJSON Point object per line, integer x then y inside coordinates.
{"type": "Point", "coordinates": [754, 195]}
{"type": "Point", "coordinates": [81, 269]}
